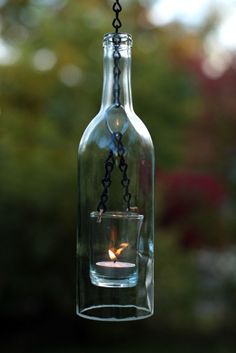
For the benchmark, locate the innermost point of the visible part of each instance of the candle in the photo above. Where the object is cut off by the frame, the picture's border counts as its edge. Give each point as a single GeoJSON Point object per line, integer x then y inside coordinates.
{"type": "Point", "coordinates": [116, 269]}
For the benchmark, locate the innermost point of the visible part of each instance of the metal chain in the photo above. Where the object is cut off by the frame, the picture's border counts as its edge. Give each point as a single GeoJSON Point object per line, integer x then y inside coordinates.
{"type": "Point", "coordinates": [116, 136]}
{"type": "Point", "coordinates": [106, 182]}
{"type": "Point", "coordinates": [123, 166]}
{"type": "Point", "coordinates": [116, 70]}
{"type": "Point", "coordinates": [117, 8]}
{"type": "Point", "coordinates": [109, 166]}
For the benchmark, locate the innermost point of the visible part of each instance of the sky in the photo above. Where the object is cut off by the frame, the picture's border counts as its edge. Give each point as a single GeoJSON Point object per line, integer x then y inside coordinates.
{"type": "Point", "coordinates": [192, 13]}
{"type": "Point", "coordinates": [219, 44]}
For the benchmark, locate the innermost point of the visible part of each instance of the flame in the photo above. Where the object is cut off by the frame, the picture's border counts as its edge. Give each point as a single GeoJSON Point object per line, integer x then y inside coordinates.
{"type": "Point", "coordinates": [119, 251]}
{"type": "Point", "coordinates": [124, 245]}
{"type": "Point", "coordinates": [112, 255]}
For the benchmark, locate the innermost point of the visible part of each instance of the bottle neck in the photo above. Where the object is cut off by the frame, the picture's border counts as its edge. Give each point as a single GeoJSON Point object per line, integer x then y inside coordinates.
{"type": "Point", "coordinates": [124, 79]}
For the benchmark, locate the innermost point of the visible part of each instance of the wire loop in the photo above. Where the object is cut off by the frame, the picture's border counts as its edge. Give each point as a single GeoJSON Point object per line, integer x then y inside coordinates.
{"type": "Point", "coordinates": [117, 8]}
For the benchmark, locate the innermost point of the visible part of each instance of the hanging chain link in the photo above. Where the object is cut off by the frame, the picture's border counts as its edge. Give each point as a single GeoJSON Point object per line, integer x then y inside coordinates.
{"type": "Point", "coordinates": [117, 143]}
{"type": "Point", "coordinates": [109, 166]}
{"type": "Point", "coordinates": [117, 8]}
{"type": "Point", "coordinates": [123, 166]}
{"type": "Point", "coordinates": [116, 70]}
{"type": "Point", "coordinates": [106, 182]}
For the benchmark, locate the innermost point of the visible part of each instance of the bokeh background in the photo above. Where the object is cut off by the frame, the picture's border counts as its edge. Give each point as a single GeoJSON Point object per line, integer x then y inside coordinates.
{"type": "Point", "coordinates": [184, 89]}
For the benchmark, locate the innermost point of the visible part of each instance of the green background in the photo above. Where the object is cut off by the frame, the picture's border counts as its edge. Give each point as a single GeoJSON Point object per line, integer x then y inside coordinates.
{"type": "Point", "coordinates": [43, 113]}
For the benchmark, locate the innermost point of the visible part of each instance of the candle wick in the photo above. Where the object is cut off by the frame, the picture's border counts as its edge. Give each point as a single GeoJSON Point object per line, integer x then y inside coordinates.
{"type": "Point", "coordinates": [114, 261]}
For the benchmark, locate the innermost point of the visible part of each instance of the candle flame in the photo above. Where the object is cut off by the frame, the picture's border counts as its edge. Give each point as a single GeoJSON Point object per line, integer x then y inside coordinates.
{"type": "Point", "coordinates": [119, 251]}
{"type": "Point", "coordinates": [124, 245]}
{"type": "Point", "coordinates": [112, 255]}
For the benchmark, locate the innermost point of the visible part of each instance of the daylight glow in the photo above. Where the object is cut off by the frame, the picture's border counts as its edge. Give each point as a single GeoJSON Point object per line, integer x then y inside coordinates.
{"type": "Point", "coordinates": [70, 75]}
{"type": "Point", "coordinates": [44, 59]}
{"type": "Point", "coordinates": [186, 11]}
{"type": "Point", "coordinates": [2, 2]}
{"type": "Point", "coordinates": [55, 3]}
{"type": "Point", "coordinates": [227, 31]}
{"type": "Point", "coordinates": [216, 64]}
{"type": "Point", "coordinates": [8, 54]}
{"type": "Point", "coordinates": [194, 13]}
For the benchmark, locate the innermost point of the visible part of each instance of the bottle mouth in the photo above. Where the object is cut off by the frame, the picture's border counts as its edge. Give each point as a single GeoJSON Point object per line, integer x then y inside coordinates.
{"type": "Point", "coordinates": [118, 215]}
{"type": "Point", "coordinates": [125, 40]}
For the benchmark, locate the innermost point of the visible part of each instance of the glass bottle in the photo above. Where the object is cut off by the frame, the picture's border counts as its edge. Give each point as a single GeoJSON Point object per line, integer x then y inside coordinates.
{"type": "Point", "coordinates": [126, 229]}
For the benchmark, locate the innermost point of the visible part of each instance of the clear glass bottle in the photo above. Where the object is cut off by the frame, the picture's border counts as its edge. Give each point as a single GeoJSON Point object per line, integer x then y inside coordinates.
{"type": "Point", "coordinates": [113, 293]}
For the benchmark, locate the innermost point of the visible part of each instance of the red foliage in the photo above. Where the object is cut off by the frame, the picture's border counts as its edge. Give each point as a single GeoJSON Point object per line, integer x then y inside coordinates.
{"type": "Point", "coordinates": [185, 195]}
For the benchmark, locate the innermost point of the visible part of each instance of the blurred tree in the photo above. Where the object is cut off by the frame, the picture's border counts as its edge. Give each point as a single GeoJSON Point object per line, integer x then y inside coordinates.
{"type": "Point", "coordinates": [51, 80]}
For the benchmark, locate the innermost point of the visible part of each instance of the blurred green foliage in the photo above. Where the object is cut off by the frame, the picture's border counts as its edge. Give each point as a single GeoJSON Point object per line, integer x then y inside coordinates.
{"type": "Point", "coordinates": [43, 115]}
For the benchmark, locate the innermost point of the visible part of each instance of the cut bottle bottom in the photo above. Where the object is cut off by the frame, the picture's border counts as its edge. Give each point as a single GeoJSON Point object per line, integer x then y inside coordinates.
{"type": "Point", "coordinates": [115, 313]}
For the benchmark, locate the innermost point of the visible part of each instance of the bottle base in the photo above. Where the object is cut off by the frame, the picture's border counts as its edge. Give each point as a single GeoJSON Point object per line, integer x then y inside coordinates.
{"type": "Point", "coordinates": [115, 313]}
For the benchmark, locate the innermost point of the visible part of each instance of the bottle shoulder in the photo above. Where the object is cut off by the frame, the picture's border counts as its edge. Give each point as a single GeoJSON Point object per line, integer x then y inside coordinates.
{"type": "Point", "coordinates": [141, 129]}
{"type": "Point", "coordinates": [98, 132]}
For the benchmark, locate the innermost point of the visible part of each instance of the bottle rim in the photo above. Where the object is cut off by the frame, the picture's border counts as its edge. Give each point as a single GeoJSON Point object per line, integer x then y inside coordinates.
{"type": "Point", "coordinates": [125, 39]}
{"type": "Point", "coordinates": [118, 215]}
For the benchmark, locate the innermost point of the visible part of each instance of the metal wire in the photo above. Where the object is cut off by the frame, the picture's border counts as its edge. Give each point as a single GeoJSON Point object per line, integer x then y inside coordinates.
{"type": "Point", "coordinates": [109, 166]}
{"type": "Point", "coordinates": [117, 8]}
{"type": "Point", "coordinates": [116, 70]}
{"type": "Point", "coordinates": [106, 182]}
{"type": "Point", "coordinates": [116, 140]}
{"type": "Point", "coordinates": [123, 166]}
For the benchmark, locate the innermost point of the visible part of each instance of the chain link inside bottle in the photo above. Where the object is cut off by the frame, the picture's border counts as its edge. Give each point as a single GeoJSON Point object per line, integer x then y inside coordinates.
{"type": "Point", "coordinates": [117, 8]}
{"type": "Point", "coordinates": [109, 164]}
{"type": "Point", "coordinates": [116, 136]}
